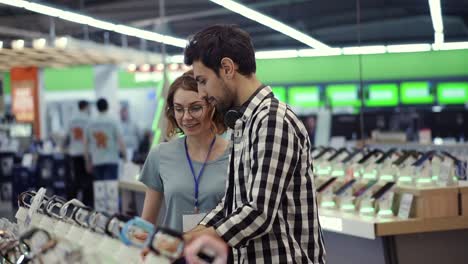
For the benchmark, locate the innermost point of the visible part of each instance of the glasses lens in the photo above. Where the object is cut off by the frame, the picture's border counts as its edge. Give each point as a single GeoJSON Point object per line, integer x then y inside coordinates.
{"type": "Point", "coordinates": [196, 111]}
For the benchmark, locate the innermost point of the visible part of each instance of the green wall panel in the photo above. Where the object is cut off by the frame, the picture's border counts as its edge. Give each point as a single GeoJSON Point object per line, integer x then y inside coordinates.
{"type": "Point", "coordinates": [374, 67]}
{"type": "Point", "coordinates": [127, 81]}
{"type": "Point", "coordinates": [6, 83]}
{"type": "Point", "coordinates": [69, 79]}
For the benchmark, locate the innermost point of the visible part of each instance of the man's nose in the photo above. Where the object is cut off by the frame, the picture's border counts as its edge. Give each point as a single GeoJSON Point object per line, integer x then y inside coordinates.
{"type": "Point", "coordinates": [201, 92]}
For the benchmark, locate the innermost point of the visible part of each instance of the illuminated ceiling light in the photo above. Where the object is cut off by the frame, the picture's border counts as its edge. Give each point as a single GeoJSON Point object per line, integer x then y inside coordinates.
{"type": "Point", "coordinates": [364, 50]}
{"type": "Point", "coordinates": [276, 54]}
{"type": "Point", "coordinates": [17, 44]}
{"type": "Point", "coordinates": [436, 15]}
{"type": "Point", "coordinates": [39, 43]}
{"type": "Point", "coordinates": [451, 46]}
{"type": "Point", "coordinates": [16, 3]}
{"type": "Point", "coordinates": [271, 23]}
{"type": "Point", "coordinates": [61, 42]}
{"type": "Point", "coordinates": [186, 67]}
{"type": "Point", "coordinates": [43, 9]}
{"type": "Point", "coordinates": [439, 38]}
{"type": "Point", "coordinates": [437, 23]}
{"type": "Point", "coordinates": [319, 52]}
{"type": "Point", "coordinates": [408, 48]}
{"type": "Point", "coordinates": [100, 24]}
{"type": "Point", "coordinates": [145, 68]}
{"type": "Point", "coordinates": [131, 67]}
{"type": "Point", "coordinates": [160, 67]}
{"type": "Point", "coordinates": [173, 66]}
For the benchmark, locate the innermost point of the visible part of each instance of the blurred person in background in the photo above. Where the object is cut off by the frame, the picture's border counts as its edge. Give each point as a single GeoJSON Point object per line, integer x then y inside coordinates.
{"type": "Point", "coordinates": [79, 181]}
{"type": "Point", "coordinates": [104, 144]}
{"type": "Point", "coordinates": [130, 131]}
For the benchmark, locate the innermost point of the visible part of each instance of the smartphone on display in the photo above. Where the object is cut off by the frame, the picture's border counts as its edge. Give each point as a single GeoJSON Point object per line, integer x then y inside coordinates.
{"type": "Point", "coordinates": [380, 192]}
{"type": "Point", "coordinates": [323, 152]}
{"type": "Point", "coordinates": [326, 184]}
{"type": "Point", "coordinates": [402, 158]}
{"type": "Point", "coordinates": [369, 155]}
{"type": "Point", "coordinates": [387, 155]}
{"type": "Point", "coordinates": [345, 187]}
{"type": "Point", "coordinates": [364, 188]}
{"type": "Point", "coordinates": [423, 158]}
{"type": "Point", "coordinates": [351, 156]}
{"type": "Point", "coordinates": [338, 153]}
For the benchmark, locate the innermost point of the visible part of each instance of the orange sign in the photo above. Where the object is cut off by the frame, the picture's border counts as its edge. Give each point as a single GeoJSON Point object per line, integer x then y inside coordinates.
{"type": "Point", "coordinates": [101, 139]}
{"type": "Point", "coordinates": [78, 134]}
{"type": "Point", "coordinates": [25, 96]}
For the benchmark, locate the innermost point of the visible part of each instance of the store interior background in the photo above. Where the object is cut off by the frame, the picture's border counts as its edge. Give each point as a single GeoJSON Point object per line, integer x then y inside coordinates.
{"type": "Point", "coordinates": [373, 97]}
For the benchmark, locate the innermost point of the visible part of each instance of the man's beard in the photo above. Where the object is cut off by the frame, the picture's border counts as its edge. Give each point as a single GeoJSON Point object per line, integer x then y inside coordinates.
{"type": "Point", "coordinates": [226, 102]}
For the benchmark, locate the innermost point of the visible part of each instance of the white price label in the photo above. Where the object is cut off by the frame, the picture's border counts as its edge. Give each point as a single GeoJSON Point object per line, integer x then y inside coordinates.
{"type": "Point", "coordinates": [405, 205]}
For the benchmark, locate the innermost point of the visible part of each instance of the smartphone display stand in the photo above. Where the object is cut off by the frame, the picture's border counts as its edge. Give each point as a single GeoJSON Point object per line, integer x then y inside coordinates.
{"type": "Point", "coordinates": [406, 177]}
{"type": "Point", "coordinates": [366, 205]}
{"type": "Point", "coordinates": [385, 205]}
{"type": "Point", "coordinates": [338, 171]}
{"type": "Point", "coordinates": [326, 199]}
{"type": "Point", "coordinates": [369, 172]}
{"type": "Point", "coordinates": [345, 202]}
{"type": "Point", "coordinates": [387, 174]}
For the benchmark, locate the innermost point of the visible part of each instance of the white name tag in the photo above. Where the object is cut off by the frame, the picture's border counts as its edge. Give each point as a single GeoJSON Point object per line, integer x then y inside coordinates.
{"type": "Point", "coordinates": [190, 221]}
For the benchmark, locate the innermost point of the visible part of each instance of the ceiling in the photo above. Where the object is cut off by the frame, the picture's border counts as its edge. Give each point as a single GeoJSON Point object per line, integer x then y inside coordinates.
{"type": "Point", "coordinates": [333, 22]}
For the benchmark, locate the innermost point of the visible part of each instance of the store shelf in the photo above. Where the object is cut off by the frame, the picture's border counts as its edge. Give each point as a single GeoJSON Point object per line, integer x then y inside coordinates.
{"type": "Point", "coordinates": [402, 227]}
{"type": "Point", "coordinates": [372, 227]}
{"type": "Point", "coordinates": [347, 224]}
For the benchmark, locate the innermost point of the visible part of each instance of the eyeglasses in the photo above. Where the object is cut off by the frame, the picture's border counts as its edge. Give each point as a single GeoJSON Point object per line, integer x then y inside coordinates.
{"type": "Point", "coordinates": [195, 111]}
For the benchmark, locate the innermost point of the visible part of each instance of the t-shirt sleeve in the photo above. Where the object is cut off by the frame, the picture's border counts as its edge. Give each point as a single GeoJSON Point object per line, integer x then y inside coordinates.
{"type": "Point", "coordinates": [150, 175]}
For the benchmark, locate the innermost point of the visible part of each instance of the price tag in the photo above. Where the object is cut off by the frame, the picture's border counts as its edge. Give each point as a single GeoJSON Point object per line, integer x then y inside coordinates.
{"type": "Point", "coordinates": [27, 160]}
{"type": "Point", "coordinates": [405, 205]}
{"type": "Point", "coordinates": [446, 169]}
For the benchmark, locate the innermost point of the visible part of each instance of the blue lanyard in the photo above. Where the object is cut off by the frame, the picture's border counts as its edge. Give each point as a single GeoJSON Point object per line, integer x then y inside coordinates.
{"type": "Point", "coordinates": [195, 178]}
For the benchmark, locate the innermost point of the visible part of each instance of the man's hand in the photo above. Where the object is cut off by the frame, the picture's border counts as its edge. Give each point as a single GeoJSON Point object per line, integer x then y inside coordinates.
{"type": "Point", "coordinates": [209, 245]}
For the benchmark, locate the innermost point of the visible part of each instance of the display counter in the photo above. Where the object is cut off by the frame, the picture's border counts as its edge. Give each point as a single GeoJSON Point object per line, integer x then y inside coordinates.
{"type": "Point", "coordinates": [439, 235]}
{"type": "Point", "coordinates": [351, 238]}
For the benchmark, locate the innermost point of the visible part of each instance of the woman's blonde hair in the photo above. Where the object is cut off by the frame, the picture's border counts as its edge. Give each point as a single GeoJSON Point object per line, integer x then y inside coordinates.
{"type": "Point", "coordinates": [187, 82]}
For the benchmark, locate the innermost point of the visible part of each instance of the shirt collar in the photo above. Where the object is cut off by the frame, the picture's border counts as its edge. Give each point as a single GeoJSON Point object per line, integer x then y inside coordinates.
{"type": "Point", "coordinates": [254, 101]}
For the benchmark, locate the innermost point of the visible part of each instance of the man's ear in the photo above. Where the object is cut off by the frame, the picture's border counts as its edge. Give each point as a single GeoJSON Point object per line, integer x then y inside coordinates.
{"type": "Point", "coordinates": [228, 68]}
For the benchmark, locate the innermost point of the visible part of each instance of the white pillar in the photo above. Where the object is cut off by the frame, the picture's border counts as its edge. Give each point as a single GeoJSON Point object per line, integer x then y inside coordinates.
{"type": "Point", "coordinates": [106, 85]}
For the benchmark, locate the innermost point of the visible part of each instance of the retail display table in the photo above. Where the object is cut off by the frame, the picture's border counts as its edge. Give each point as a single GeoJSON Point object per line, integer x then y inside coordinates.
{"type": "Point", "coordinates": [442, 238]}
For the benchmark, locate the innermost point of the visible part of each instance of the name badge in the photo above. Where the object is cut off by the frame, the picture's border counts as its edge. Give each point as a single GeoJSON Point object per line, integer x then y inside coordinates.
{"type": "Point", "coordinates": [190, 221]}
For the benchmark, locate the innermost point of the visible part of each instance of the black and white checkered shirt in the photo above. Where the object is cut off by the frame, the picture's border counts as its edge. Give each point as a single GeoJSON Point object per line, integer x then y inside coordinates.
{"type": "Point", "coordinates": [269, 213]}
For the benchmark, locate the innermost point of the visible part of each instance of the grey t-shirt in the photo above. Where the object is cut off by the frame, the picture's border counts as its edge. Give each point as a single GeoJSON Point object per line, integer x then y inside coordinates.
{"type": "Point", "coordinates": [166, 170]}
{"type": "Point", "coordinates": [102, 134]}
{"type": "Point", "coordinates": [77, 132]}
{"type": "Point", "coordinates": [131, 134]}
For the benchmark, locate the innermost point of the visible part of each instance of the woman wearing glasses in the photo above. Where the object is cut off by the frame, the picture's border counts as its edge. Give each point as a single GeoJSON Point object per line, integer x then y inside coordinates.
{"type": "Point", "coordinates": [188, 173]}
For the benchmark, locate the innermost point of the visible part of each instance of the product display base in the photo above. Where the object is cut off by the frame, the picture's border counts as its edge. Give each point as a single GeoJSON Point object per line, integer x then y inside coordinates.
{"type": "Point", "coordinates": [422, 248]}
